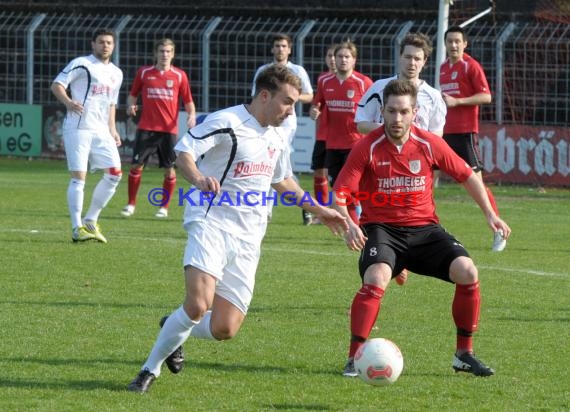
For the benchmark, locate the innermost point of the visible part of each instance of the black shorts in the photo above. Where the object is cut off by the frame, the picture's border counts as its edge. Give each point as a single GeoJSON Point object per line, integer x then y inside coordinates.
{"type": "Point", "coordinates": [319, 154]}
{"type": "Point", "coordinates": [147, 143]}
{"type": "Point", "coordinates": [425, 250]}
{"type": "Point", "coordinates": [466, 145]}
{"type": "Point", "coordinates": [334, 161]}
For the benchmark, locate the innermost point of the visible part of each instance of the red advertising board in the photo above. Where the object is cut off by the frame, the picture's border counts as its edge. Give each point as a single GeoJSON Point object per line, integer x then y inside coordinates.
{"type": "Point", "coordinates": [525, 154]}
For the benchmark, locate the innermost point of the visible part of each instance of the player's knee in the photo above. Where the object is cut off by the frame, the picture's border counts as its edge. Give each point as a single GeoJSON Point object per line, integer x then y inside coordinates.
{"type": "Point", "coordinates": [224, 331]}
{"type": "Point", "coordinates": [115, 171]}
{"type": "Point", "coordinates": [113, 179]}
{"type": "Point", "coordinates": [463, 271]}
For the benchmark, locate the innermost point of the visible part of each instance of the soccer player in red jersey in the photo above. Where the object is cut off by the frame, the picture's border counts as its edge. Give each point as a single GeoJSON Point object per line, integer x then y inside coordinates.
{"type": "Point", "coordinates": [399, 227]}
{"type": "Point", "coordinates": [464, 88]}
{"type": "Point", "coordinates": [339, 94]}
{"type": "Point", "coordinates": [320, 175]}
{"type": "Point", "coordinates": [161, 87]}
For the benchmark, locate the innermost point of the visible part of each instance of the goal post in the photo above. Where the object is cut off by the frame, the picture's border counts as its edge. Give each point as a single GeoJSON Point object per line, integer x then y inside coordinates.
{"type": "Point", "coordinates": [443, 24]}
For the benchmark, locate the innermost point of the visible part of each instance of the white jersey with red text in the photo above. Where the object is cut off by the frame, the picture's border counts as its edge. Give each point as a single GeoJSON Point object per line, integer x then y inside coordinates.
{"type": "Point", "coordinates": [245, 158]}
{"type": "Point", "coordinates": [430, 104]}
{"type": "Point", "coordinates": [96, 86]}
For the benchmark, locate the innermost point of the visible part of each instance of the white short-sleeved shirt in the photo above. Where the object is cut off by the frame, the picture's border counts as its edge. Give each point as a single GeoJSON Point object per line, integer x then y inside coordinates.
{"type": "Point", "coordinates": [246, 158]}
{"type": "Point", "coordinates": [431, 107]}
{"type": "Point", "coordinates": [96, 85]}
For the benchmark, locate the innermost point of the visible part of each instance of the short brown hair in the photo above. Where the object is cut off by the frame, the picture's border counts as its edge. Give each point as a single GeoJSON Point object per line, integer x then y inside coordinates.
{"type": "Point", "coordinates": [419, 40]}
{"type": "Point", "coordinates": [103, 32]}
{"type": "Point", "coordinates": [274, 77]}
{"type": "Point", "coordinates": [347, 45]}
{"type": "Point", "coordinates": [400, 87]}
{"type": "Point", "coordinates": [282, 36]}
{"type": "Point", "coordinates": [164, 42]}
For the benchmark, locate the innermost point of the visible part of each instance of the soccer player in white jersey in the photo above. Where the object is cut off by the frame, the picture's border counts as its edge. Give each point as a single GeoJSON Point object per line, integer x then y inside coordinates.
{"type": "Point", "coordinates": [281, 50]}
{"type": "Point", "coordinates": [414, 52]}
{"type": "Point", "coordinates": [243, 151]}
{"type": "Point", "coordinates": [431, 110]}
{"type": "Point", "coordinates": [89, 133]}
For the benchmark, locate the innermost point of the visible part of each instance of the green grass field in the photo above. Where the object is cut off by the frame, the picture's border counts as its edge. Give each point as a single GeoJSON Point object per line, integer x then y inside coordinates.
{"type": "Point", "coordinates": [78, 320]}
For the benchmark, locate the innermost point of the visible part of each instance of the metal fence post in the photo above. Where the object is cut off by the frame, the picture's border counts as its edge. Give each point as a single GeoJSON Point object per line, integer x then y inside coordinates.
{"type": "Point", "coordinates": [206, 62]}
{"type": "Point", "coordinates": [398, 41]}
{"type": "Point", "coordinates": [118, 29]}
{"type": "Point", "coordinates": [300, 51]}
{"type": "Point", "coordinates": [30, 58]}
{"type": "Point", "coordinates": [500, 67]}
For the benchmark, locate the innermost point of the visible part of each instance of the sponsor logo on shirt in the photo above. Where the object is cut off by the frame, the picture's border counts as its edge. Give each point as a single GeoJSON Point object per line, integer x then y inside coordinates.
{"type": "Point", "coordinates": [247, 169]}
{"type": "Point", "coordinates": [160, 93]}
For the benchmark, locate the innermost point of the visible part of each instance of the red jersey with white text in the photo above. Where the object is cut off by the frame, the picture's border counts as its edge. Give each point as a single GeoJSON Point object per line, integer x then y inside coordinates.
{"type": "Point", "coordinates": [161, 92]}
{"type": "Point", "coordinates": [465, 78]}
{"type": "Point", "coordinates": [398, 180]}
{"type": "Point", "coordinates": [340, 99]}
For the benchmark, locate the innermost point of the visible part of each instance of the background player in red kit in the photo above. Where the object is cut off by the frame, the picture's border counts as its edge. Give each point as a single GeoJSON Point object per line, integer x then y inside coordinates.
{"type": "Point", "coordinates": [399, 227]}
{"type": "Point", "coordinates": [320, 172]}
{"type": "Point", "coordinates": [464, 87]}
{"type": "Point", "coordinates": [339, 94]}
{"type": "Point", "coordinates": [161, 86]}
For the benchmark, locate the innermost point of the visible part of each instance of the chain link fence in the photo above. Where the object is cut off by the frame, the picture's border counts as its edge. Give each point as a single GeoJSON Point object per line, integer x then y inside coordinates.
{"type": "Point", "coordinates": [526, 63]}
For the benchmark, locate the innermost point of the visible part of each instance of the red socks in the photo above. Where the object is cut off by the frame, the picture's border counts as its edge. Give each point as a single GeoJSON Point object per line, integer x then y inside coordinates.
{"type": "Point", "coordinates": [363, 314]}
{"type": "Point", "coordinates": [134, 184]}
{"type": "Point", "coordinates": [168, 185]}
{"type": "Point", "coordinates": [492, 200]}
{"type": "Point", "coordinates": [321, 187]}
{"type": "Point", "coordinates": [465, 310]}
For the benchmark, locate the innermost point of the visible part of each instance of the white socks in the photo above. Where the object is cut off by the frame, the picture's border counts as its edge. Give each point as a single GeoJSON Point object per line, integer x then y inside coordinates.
{"type": "Point", "coordinates": [103, 192]}
{"type": "Point", "coordinates": [174, 333]}
{"type": "Point", "coordinates": [202, 329]}
{"type": "Point", "coordinates": [75, 195]}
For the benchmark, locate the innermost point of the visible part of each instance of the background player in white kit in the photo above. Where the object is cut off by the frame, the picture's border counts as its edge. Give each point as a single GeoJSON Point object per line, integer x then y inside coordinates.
{"type": "Point", "coordinates": [281, 50]}
{"type": "Point", "coordinates": [242, 150]}
{"type": "Point", "coordinates": [89, 132]}
{"type": "Point", "coordinates": [415, 49]}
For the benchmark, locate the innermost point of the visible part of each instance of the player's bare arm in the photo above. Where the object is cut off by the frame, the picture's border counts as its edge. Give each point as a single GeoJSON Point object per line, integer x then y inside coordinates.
{"type": "Point", "coordinates": [315, 111]}
{"type": "Point", "coordinates": [60, 94]}
{"type": "Point", "coordinates": [333, 219]}
{"type": "Point", "coordinates": [306, 97]}
{"type": "Point", "coordinates": [191, 111]}
{"type": "Point", "coordinates": [113, 125]}
{"type": "Point", "coordinates": [476, 190]}
{"type": "Point", "coordinates": [354, 237]}
{"type": "Point", "coordinates": [475, 100]}
{"type": "Point", "coordinates": [367, 127]}
{"type": "Point", "coordinates": [187, 166]}
{"type": "Point", "coordinates": [132, 107]}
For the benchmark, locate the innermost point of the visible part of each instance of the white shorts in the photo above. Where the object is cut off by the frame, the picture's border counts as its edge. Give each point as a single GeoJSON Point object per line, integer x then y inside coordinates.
{"type": "Point", "coordinates": [229, 259]}
{"type": "Point", "coordinates": [92, 148]}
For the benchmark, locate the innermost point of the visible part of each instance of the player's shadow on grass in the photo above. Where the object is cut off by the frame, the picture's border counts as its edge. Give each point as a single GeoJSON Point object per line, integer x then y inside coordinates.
{"type": "Point", "coordinates": [79, 385]}
{"type": "Point", "coordinates": [300, 407]}
{"type": "Point", "coordinates": [237, 367]}
{"type": "Point", "coordinates": [150, 305]}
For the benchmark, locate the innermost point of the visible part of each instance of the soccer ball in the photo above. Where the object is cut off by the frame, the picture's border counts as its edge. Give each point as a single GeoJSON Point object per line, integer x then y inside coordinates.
{"type": "Point", "coordinates": [379, 362]}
